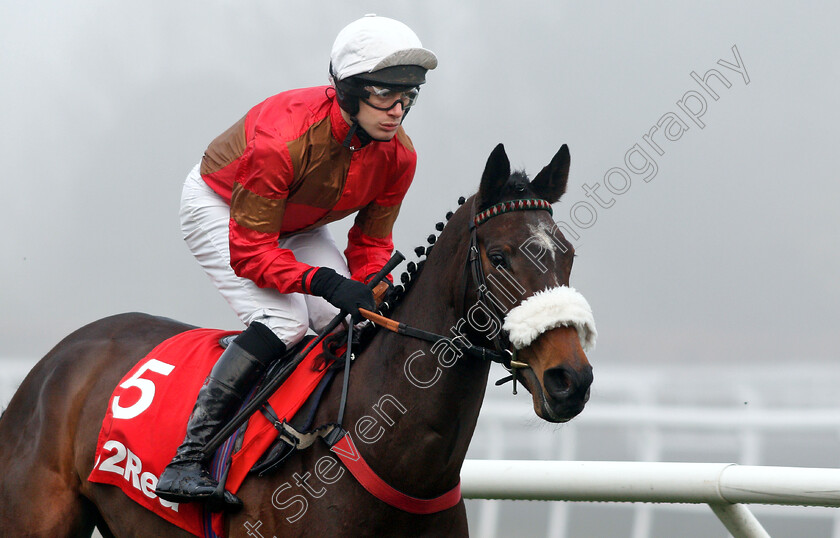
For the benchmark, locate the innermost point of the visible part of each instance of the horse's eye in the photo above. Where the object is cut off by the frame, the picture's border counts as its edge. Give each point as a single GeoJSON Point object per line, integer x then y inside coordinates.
{"type": "Point", "coordinates": [498, 259]}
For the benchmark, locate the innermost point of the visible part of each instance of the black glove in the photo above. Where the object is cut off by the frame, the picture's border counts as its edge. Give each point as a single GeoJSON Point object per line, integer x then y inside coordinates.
{"type": "Point", "coordinates": [343, 293]}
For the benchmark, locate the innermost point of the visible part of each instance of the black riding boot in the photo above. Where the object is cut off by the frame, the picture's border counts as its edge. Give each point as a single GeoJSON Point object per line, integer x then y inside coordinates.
{"type": "Point", "coordinates": [187, 478]}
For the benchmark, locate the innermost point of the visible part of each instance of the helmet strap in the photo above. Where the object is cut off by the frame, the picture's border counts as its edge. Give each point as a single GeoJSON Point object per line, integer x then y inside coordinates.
{"type": "Point", "coordinates": [362, 135]}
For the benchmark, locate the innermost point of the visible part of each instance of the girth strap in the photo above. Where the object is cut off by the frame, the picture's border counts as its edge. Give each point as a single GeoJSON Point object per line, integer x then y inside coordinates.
{"type": "Point", "coordinates": [358, 467]}
{"type": "Point", "coordinates": [342, 445]}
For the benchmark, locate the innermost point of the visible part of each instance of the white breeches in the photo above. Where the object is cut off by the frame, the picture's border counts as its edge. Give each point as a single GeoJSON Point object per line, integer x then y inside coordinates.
{"type": "Point", "coordinates": [205, 219]}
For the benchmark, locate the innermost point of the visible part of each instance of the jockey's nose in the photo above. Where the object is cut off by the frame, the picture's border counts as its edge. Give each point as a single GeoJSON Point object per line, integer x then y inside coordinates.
{"type": "Point", "coordinates": [397, 110]}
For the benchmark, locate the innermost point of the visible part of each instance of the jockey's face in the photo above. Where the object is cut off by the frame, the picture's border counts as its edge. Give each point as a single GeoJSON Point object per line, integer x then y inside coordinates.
{"type": "Point", "coordinates": [381, 125]}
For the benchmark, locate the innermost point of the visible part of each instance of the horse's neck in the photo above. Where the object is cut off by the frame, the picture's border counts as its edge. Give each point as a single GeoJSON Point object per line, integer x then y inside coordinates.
{"type": "Point", "coordinates": [426, 407]}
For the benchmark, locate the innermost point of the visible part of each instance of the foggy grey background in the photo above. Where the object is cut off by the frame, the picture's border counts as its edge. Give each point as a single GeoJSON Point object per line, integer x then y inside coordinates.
{"type": "Point", "coordinates": [729, 254]}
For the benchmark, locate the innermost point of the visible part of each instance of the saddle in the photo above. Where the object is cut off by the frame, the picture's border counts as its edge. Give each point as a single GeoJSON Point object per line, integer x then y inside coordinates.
{"type": "Point", "coordinates": [149, 408]}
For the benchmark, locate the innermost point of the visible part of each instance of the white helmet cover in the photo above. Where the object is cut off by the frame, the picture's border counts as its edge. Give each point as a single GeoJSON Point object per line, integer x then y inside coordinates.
{"type": "Point", "coordinates": [373, 43]}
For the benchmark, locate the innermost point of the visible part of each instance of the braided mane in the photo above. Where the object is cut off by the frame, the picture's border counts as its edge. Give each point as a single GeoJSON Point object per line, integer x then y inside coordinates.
{"type": "Point", "coordinates": [392, 299]}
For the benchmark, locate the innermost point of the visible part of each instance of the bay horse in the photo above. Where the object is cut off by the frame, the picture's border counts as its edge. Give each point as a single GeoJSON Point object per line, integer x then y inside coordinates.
{"type": "Point", "coordinates": [414, 411]}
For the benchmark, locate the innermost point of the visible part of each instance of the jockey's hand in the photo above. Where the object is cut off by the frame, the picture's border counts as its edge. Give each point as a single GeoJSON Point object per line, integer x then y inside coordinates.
{"type": "Point", "coordinates": [343, 293]}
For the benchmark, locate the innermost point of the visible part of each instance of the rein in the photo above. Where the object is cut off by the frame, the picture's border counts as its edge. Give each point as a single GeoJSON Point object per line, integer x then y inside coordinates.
{"type": "Point", "coordinates": [501, 342]}
{"type": "Point", "coordinates": [337, 438]}
{"type": "Point", "coordinates": [502, 354]}
{"type": "Point", "coordinates": [406, 330]}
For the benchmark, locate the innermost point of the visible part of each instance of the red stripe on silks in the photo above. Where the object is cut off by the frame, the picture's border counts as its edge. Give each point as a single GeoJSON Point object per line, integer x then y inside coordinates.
{"type": "Point", "coordinates": [361, 471]}
{"type": "Point", "coordinates": [307, 280]}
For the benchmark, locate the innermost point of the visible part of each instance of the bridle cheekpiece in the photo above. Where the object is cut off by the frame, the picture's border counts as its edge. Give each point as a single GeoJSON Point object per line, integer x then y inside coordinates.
{"type": "Point", "coordinates": [501, 341]}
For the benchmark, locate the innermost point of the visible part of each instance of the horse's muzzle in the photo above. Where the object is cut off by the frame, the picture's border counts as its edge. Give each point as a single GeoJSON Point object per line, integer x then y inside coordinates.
{"type": "Point", "coordinates": [566, 391]}
{"type": "Point", "coordinates": [562, 394]}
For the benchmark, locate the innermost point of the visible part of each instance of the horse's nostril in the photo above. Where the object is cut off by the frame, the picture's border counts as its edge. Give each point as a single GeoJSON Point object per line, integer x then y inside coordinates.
{"type": "Point", "coordinates": [558, 381]}
{"type": "Point", "coordinates": [563, 382]}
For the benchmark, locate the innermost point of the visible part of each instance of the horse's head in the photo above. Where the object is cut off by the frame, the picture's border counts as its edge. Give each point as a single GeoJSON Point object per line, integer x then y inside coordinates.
{"type": "Point", "coordinates": [526, 262]}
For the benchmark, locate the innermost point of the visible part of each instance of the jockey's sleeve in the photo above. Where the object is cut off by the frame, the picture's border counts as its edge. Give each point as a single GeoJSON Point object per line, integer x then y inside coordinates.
{"type": "Point", "coordinates": [257, 206]}
{"type": "Point", "coordinates": [369, 242]}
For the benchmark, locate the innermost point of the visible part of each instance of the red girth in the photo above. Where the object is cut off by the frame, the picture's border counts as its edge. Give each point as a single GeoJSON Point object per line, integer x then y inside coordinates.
{"type": "Point", "coordinates": [361, 471]}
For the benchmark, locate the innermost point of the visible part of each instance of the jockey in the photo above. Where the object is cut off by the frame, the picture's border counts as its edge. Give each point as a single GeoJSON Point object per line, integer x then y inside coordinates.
{"type": "Point", "coordinates": [253, 212]}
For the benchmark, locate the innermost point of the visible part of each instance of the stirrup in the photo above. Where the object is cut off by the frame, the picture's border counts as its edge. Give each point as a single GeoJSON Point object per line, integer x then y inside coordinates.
{"type": "Point", "coordinates": [223, 500]}
{"type": "Point", "coordinates": [225, 341]}
{"type": "Point", "coordinates": [218, 500]}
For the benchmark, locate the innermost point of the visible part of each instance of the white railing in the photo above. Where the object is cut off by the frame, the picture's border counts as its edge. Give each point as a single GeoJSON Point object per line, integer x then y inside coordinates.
{"type": "Point", "coordinates": [752, 416]}
{"type": "Point", "coordinates": [749, 415]}
{"type": "Point", "coordinates": [724, 487]}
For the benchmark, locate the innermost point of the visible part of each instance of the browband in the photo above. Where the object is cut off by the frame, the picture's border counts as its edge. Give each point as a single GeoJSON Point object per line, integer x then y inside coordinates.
{"type": "Point", "coordinates": [512, 205]}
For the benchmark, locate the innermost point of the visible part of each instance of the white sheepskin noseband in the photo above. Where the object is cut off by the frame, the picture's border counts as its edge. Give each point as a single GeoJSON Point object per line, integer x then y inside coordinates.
{"type": "Point", "coordinates": [556, 307]}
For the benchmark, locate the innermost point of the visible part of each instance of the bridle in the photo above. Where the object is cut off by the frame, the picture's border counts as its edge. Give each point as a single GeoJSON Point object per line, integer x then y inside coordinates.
{"type": "Point", "coordinates": [502, 351]}
{"type": "Point", "coordinates": [500, 341]}
{"type": "Point", "coordinates": [335, 436]}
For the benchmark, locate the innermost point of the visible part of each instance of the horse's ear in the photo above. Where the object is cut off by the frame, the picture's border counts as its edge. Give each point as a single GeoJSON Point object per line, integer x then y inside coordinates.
{"type": "Point", "coordinates": [550, 183]}
{"type": "Point", "coordinates": [496, 173]}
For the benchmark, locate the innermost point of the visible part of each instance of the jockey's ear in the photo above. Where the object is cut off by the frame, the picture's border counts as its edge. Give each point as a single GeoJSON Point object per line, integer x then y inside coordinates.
{"type": "Point", "coordinates": [496, 173]}
{"type": "Point", "coordinates": [550, 183]}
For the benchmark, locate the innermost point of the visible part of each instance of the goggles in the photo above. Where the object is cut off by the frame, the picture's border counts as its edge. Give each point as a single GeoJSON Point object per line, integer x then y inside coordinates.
{"type": "Point", "coordinates": [386, 98]}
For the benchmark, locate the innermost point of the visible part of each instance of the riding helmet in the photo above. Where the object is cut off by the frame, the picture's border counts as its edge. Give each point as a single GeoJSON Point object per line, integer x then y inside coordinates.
{"type": "Point", "coordinates": [376, 51]}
